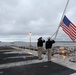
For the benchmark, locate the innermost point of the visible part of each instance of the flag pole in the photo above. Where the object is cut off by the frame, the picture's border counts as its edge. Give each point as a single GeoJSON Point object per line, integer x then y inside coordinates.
{"type": "Point", "coordinates": [53, 34]}
{"type": "Point", "coordinates": [61, 19]}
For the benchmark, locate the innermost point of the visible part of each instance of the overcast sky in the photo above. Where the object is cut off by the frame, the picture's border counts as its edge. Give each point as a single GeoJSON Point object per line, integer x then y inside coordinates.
{"type": "Point", "coordinates": [41, 17]}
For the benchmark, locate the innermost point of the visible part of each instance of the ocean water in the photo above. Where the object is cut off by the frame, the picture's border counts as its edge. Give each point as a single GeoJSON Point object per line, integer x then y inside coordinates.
{"type": "Point", "coordinates": [20, 43]}
{"type": "Point", "coordinates": [65, 44]}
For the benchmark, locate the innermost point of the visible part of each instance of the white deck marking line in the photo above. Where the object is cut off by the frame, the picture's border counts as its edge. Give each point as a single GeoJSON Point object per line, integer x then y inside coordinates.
{"type": "Point", "coordinates": [1, 72]}
{"type": "Point", "coordinates": [73, 74]}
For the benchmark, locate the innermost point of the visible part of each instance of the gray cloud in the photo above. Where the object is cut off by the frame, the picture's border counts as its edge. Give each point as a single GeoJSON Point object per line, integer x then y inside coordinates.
{"type": "Point", "coordinates": [41, 17]}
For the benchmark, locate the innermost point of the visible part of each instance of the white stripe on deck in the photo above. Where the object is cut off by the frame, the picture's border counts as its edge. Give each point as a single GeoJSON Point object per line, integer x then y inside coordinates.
{"type": "Point", "coordinates": [1, 72]}
{"type": "Point", "coordinates": [8, 65]}
{"type": "Point", "coordinates": [73, 74]}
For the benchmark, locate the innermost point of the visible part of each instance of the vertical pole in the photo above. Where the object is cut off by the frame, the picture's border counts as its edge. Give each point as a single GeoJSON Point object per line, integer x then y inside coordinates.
{"type": "Point", "coordinates": [75, 54]}
{"type": "Point", "coordinates": [61, 18]}
{"type": "Point", "coordinates": [30, 39]}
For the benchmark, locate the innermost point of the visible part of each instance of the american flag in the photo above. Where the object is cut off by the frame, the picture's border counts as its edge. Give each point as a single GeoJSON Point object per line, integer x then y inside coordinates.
{"type": "Point", "coordinates": [69, 28]}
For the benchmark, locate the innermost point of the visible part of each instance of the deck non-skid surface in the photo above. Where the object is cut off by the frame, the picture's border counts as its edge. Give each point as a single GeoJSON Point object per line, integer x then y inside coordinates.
{"type": "Point", "coordinates": [33, 67]}
{"type": "Point", "coordinates": [43, 68]}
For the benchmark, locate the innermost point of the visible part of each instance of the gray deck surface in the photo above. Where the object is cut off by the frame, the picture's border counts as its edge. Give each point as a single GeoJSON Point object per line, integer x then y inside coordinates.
{"type": "Point", "coordinates": [40, 68]}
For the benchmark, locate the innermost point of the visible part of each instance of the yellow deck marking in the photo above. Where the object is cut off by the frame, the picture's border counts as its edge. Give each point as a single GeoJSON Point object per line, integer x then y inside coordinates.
{"type": "Point", "coordinates": [6, 50]}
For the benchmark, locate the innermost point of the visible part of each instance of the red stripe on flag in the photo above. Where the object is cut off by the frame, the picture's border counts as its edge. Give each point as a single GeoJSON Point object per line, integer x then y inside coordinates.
{"type": "Point", "coordinates": [67, 31]}
{"type": "Point", "coordinates": [69, 28]}
{"type": "Point", "coordinates": [72, 28]}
